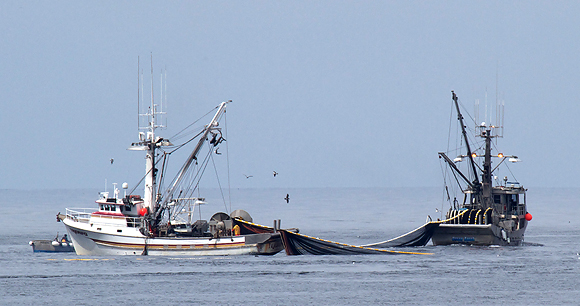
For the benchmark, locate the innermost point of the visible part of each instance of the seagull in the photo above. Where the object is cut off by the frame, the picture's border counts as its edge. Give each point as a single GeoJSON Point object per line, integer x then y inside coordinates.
{"type": "Point", "coordinates": [248, 176]}
{"type": "Point", "coordinates": [287, 198]}
{"type": "Point", "coordinates": [112, 160]}
{"type": "Point", "coordinates": [436, 209]}
{"type": "Point", "coordinates": [275, 173]}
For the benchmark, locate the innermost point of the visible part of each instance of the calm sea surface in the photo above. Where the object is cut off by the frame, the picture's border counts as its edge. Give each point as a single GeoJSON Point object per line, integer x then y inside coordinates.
{"type": "Point", "coordinates": [544, 271]}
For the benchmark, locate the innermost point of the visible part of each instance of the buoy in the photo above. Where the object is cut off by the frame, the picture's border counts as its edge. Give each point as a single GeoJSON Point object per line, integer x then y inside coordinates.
{"type": "Point", "coordinates": [55, 243]}
{"type": "Point", "coordinates": [30, 243]}
{"type": "Point", "coordinates": [143, 211]}
{"type": "Point", "coordinates": [528, 217]}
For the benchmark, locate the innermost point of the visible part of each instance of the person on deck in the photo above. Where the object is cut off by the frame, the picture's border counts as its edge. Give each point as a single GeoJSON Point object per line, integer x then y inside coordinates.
{"type": "Point", "coordinates": [236, 230]}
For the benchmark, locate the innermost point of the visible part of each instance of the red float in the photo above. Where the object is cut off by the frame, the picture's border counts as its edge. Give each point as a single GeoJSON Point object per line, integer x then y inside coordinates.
{"type": "Point", "coordinates": [143, 211]}
{"type": "Point", "coordinates": [528, 216]}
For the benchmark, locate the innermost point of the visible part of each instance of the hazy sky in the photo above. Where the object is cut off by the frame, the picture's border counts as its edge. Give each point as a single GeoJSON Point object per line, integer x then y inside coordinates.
{"type": "Point", "coordinates": [327, 93]}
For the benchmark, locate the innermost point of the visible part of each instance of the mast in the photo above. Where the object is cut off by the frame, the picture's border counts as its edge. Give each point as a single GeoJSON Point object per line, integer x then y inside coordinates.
{"type": "Point", "coordinates": [149, 142]}
{"type": "Point", "coordinates": [151, 175]}
{"type": "Point", "coordinates": [487, 168]}
{"type": "Point", "coordinates": [469, 153]}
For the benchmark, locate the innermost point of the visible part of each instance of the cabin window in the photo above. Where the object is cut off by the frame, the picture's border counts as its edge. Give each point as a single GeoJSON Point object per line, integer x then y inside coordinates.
{"type": "Point", "coordinates": [101, 207]}
{"type": "Point", "coordinates": [497, 198]}
{"type": "Point", "coordinates": [514, 199]}
{"type": "Point", "coordinates": [113, 208]}
{"type": "Point", "coordinates": [127, 208]}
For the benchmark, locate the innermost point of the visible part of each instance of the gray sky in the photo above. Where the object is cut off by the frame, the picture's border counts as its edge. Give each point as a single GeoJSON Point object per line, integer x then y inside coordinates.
{"type": "Point", "coordinates": [327, 93]}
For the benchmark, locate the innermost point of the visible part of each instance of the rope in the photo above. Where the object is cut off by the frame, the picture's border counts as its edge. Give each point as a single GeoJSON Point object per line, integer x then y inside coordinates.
{"type": "Point", "coordinates": [174, 136]}
{"type": "Point", "coordinates": [219, 183]}
{"type": "Point", "coordinates": [228, 160]}
{"type": "Point", "coordinates": [141, 180]}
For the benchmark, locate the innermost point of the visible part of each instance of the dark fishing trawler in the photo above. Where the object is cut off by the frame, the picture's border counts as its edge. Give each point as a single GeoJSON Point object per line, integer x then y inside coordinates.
{"type": "Point", "coordinates": [488, 214]}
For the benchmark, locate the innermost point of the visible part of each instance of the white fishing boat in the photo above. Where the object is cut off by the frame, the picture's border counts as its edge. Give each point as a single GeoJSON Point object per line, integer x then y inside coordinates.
{"type": "Point", "coordinates": [161, 221]}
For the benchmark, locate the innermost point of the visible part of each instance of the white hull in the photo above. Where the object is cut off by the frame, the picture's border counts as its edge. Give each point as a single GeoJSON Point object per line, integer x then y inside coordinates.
{"type": "Point", "coordinates": [107, 240]}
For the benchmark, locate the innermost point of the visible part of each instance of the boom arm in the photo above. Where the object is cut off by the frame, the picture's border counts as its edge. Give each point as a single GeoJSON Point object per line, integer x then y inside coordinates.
{"type": "Point", "coordinates": [471, 161]}
{"type": "Point", "coordinates": [454, 168]}
{"type": "Point", "coordinates": [213, 123]}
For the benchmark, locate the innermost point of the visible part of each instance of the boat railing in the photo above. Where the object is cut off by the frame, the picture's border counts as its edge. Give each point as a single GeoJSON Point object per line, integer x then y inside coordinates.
{"type": "Point", "coordinates": [84, 214]}
{"type": "Point", "coordinates": [79, 214]}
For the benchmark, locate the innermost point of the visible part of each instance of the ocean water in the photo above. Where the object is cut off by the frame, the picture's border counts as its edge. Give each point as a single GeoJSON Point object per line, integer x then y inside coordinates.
{"type": "Point", "coordinates": [544, 271]}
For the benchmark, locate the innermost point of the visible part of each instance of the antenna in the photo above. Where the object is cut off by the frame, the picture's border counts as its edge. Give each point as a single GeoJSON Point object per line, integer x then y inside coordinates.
{"type": "Point", "coordinates": [502, 112]}
{"type": "Point", "coordinates": [161, 91]}
{"type": "Point", "coordinates": [165, 91]}
{"type": "Point", "coordinates": [152, 101]}
{"type": "Point", "coordinates": [496, 92]}
{"type": "Point", "coordinates": [142, 97]}
{"type": "Point", "coordinates": [153, 113]}
{"type": "Point", "coordinates": [485, 113]}
{"type": "Point", "coordinates": [138, 96]}
{"type": "Point", "coordinates": [476, 115]}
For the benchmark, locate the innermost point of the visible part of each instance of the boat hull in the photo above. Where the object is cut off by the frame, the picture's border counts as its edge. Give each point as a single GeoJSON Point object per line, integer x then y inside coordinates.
{"type": "Point", "coordinates": [476, 234]}
{"type": "Point", "coordinates": [90, 240]}
{"type": "Point", "coordinates": [49, 247]}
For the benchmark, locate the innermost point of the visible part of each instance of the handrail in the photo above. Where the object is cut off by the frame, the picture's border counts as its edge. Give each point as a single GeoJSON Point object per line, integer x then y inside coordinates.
{"type": "Point", "coordinates": [84, 214]}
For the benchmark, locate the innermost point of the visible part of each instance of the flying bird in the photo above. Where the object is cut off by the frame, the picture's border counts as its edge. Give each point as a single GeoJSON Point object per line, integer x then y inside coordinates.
{"type": "Point", "coordinates": [248, 176]}
{"type": "Point", "coordinates": [275, 173]}
{"type": "Point", "coordinates": [112, 160]}
{"type": "Point", "coordinates": [287, 198]}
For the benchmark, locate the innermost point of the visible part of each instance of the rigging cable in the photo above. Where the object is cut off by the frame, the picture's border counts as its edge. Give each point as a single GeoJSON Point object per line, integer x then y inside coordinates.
{"type": "Point", "coordinates": [450, 123]}
{"type": "Point", "coordinates": [141, 180]}
{"type": "Point", "coordinates": [228, 160]}
{"type": "Point", "coordinates": [444, 184]}
{"type": "Point", "coordinates": [506, 165]}
{"type": "Point", "coordinates": [444, 170]}
{"type": "Point", "coordinates": [219, 183]}
{"type": "Point", "coordinates": [197, 177]}
{"type": "Point", "coordinates": [162, 176]}
{"type": "Point", "coordinates": [185, 143]}
{"type": "Point", "coordinates": [172, 137]}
